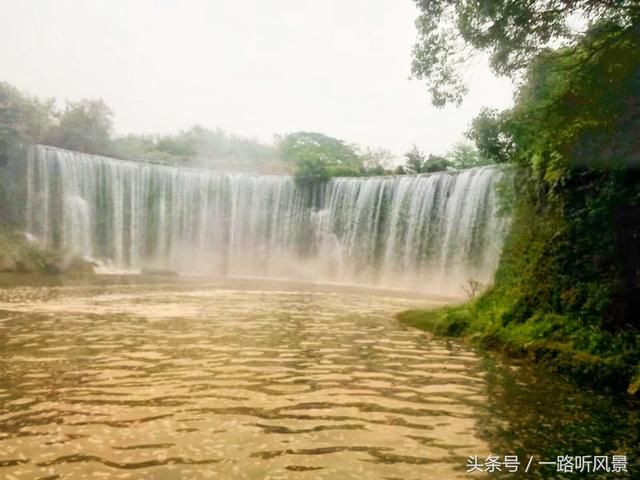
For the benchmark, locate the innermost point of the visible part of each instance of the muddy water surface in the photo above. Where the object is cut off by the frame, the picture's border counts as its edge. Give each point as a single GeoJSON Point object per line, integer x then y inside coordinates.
{"type": "Point", "coordinates": [255, 380]}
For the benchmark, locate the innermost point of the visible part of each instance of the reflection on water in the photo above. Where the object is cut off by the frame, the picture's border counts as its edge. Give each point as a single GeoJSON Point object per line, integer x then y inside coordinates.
{"type": "Point", "coordinates": [246, 380]}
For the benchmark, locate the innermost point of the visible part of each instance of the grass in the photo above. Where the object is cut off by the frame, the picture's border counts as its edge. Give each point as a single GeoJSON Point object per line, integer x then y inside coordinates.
{"type": "Point", "coordinates": [568, 346]}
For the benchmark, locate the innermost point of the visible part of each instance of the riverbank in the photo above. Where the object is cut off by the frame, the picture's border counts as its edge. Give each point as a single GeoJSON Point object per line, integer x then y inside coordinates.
{"type": "Point", "coordinates": [19, 254]}
{"type": "Point", "coordinates": [594, 357]}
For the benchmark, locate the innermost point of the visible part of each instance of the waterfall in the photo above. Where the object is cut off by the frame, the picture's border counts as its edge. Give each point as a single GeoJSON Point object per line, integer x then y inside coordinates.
{"type": "Point", "coordinates": [425, 232]}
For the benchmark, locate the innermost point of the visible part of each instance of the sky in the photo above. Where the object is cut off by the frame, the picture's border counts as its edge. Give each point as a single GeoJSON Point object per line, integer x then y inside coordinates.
{"type": "Point", "coordinates": [252, 67]}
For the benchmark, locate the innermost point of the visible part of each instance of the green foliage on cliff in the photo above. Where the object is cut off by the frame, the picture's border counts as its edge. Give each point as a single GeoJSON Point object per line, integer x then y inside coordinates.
{"type": "Point", "coordinates": [568, 286]}
{"type": "Point", "coordinates": [575, 137]}
{"type": "Point", "coordinates": [488, 132]}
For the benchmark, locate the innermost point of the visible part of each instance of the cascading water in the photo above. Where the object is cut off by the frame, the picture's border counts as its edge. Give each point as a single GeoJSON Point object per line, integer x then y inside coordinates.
{"type": "Point", "coordinates": [427, 232]}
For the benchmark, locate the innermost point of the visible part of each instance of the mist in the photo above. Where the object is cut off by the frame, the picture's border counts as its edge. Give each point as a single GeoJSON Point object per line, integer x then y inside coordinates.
{"type": "Point", "coordinates": [249, 67]}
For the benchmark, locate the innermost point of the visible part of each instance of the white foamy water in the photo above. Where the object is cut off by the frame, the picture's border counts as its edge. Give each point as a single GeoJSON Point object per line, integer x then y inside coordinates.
{"type": "Point", "coordinates": [427, 232]}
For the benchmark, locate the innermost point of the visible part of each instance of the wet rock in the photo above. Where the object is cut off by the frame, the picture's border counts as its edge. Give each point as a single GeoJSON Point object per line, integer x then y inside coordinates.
{"type": "Point", "coordinates": [26, 265]}
{"type": "Point", "coordinates": [7, 263]}
{"type": "Point", "coordinates": [80, 266]}
{"type": "Point", "coordinates": [21, 253]}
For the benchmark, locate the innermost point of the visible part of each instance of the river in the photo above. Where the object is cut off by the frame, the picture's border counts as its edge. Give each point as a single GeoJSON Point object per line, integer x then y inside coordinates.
{"type": "Point", "coordinates": [162, 378]}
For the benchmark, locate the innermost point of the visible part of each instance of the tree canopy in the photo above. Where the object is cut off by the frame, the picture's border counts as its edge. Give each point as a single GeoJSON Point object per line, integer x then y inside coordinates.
{"type": "Point", "coordinates": [416, 161]}
{"type": "Point", "coordinates": [317, 157]}
{"type": "Point", "coordinates": [22, 118]}
{"type": "Point", "coordinates": [85, 126]}
{"type": "Point", "coordinates": [574, 135]}
{"type": "Point", "coordinates": [465, 155]}
{"type": "Point", "coordinates": [569, 272]}
{"type": "Point", "coordinates": [512, 33]}
{"type": "Point", "coordinates": [200, 146]}
{"type": "Point", "coordinates": [489, 133]}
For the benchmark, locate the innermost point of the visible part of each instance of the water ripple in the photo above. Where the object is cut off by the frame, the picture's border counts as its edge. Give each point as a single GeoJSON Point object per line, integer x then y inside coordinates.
{"type": "Point", "coordinates": [177, 382]}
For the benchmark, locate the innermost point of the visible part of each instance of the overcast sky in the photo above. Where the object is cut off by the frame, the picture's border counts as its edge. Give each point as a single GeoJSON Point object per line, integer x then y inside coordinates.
{"type": "Point", "coordinates": [253, 67]}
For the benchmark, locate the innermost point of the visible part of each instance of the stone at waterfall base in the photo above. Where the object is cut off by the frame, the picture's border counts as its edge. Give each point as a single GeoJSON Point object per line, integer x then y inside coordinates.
{"type": "Point", "coordinates": [19, 255]}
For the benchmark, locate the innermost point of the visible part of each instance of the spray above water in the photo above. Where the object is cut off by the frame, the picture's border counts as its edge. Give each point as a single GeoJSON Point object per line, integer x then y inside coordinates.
{"type": "Point", "coordinates": [428, 232]}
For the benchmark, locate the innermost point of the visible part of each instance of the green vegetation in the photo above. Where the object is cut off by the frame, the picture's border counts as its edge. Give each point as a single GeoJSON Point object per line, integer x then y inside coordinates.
{"type": "Point", "coordinates": [568, 287]}
{"type": "Point", "coordinates": [513, 33]}
{"type": "Point", "coordinates": [200, 147]}
{"type": "Point", "coordinates": [316, 157]}
{"type": "Point", "coordinates": [462, 156]}
{"type": "Point", "coordinates": [22, 119]}
{"type": "Point", "coordinates": [465, 155]}
{"type": "Point", "coordinates": [87, 126]}
{"type": "Point", "coordinates": [488, 132]}
{"type": "Point", "coordinates": [418, 162]}
{"type": "Point", "coordinates": [19, 255]}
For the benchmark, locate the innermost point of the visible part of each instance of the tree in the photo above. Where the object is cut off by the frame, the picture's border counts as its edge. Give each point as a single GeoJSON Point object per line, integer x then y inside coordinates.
{"type": "Point", "coordinates": [203, 147]}
{"type": "Point", "coordinates": [375, 161]}
{"type": "Point", "coordinates": [490, 134]}
{"type": "Point", "coordinates": [570, 266]}
{"type": "Point", "coordinates": [582, 104]}
{"type": "Point", "coordinates": [418, 162]}
{"type": "Point", "coordinates": [451, 32]}
{"type": "Point", "coordinates": [415, 161]}
{"type": "Point", "coordinates": [436, 163]}
{"type": "Point", "coordinates": [463, 155]}
{"type": "Point", "coordinates": [399, 170]}
{"type": "Point", "coordinates": [85, 126]}
{"type": "Point", "coordinates": [316, 157]}
{"type": "Point", "coordinates": [23, 119]}
{"type": "Point", "coordinates": [575, 136]}
{"type": "Point", "coordinates": [134, 147]}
